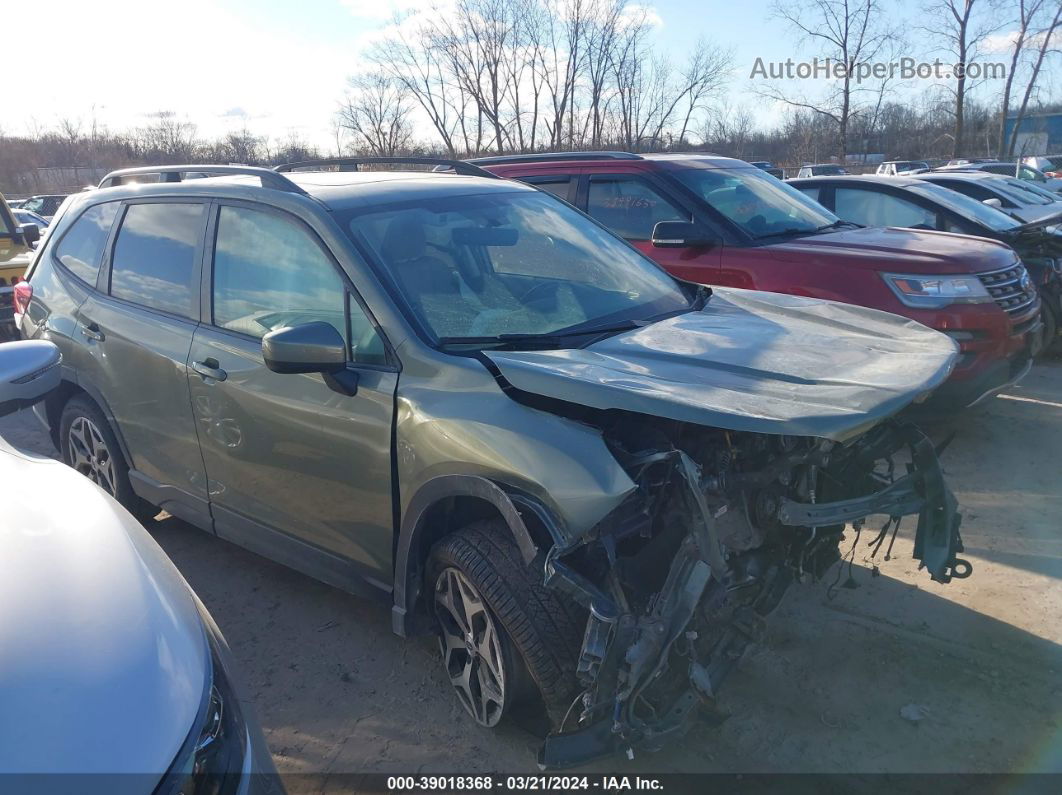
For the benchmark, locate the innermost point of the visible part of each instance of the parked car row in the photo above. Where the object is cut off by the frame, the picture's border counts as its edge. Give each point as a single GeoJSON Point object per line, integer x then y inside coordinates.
{"type": "Point", "coordinates": [718, 221]}
{"type": "Point", "coordinates": [1026, 170]}
{"type": "Point", "coordinates": [1051, 165]}
{"type": "Point", "coordinates": [16, 250]}
{"type": "Point", "coordinates": [591, 478]}
{"type": "Point", "coordinates": [925, 203]}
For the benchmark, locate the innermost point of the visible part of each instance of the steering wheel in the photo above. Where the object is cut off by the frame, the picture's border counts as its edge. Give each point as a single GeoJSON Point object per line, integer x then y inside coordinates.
{"type": "Point", "coordinates": [757, 224]}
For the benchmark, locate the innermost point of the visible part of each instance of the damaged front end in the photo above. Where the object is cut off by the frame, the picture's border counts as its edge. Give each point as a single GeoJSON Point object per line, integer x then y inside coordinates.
{"type": "Point", "coordinates": [679, 578]}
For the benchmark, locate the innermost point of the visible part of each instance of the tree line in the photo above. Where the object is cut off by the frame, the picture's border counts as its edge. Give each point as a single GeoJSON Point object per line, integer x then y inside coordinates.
{"type": "Point", "coordinates": [524, 75]}
{"type": "Point", "coordinates": [165, 137]}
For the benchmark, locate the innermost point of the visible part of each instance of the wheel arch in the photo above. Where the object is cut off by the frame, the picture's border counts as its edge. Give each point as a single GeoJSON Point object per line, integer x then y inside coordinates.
{"type": "Point", "coordinates": [443, 505]}
{"type": "Point", "coordinates": [68, 389]}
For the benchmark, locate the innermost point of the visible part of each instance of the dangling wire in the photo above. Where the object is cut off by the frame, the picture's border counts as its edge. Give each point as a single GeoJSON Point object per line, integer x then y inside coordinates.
{"type": "Point", "coordinates": [895, 528]}
{"type": "Point", "coordinates": [880, 538]}
{"type": "Point", "coordinates": [831, 591]}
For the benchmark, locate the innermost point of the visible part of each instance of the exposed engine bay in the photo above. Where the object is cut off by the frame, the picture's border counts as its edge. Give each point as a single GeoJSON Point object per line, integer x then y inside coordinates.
{"type": "Point", "coordinates": [678, 580]}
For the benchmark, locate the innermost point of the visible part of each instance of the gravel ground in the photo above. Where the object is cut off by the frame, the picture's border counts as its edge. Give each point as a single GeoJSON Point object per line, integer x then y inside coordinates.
{"type": "Point", "coordinates": [979, 660]}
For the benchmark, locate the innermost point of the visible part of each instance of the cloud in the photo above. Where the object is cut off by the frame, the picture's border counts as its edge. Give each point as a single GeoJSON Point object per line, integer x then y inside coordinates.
{"type": "Point", "coordinates": [1004, 42]}
{"type": "Point", "coordinates": [218, 76]}
{"type": "Point", "coordinates": [1000, 42]}
{"type": "Point", "coordinates": [640, 11]}
{"type": "Point", "coordinates": [384, 10]}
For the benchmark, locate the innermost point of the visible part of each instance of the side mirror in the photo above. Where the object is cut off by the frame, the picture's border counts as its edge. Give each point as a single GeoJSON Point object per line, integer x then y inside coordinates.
{"type": "Point", "coordinates": [682, 234]}
{"type": "Point", "coordinates": [306, 348]}
{"type": "Point", "coordinates": [29, 370]}
{"type": "Point", "coordinates": [31, 234]}
{"type": "Point", "coordinates": [993, 202]}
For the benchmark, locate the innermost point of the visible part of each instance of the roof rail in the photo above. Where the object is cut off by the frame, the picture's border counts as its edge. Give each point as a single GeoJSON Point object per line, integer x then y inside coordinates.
{"type": "Point", "coordinates": [545, 156]}
{"type": "Point", "coordinates": [458, 166]}
{"type": "Point", "coordinates": [269, 178]}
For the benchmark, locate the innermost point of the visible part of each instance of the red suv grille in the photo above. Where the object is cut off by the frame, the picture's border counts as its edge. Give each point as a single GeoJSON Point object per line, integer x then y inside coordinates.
{"type": "Point", "coordinates": [1010, 287]}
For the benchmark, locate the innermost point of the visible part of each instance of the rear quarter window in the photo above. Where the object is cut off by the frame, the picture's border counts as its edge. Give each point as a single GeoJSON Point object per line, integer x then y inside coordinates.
{"type": "Point", "coordinates": [154, 256]}
{"type": "Point", "coordinates": [80, 250]}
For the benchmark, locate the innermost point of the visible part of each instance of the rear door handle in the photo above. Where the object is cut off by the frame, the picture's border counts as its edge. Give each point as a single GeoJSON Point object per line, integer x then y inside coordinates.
{"type": "Point", "coordinates": [209, 369]}
{"type": "Point", "coordinates": [92, 331]}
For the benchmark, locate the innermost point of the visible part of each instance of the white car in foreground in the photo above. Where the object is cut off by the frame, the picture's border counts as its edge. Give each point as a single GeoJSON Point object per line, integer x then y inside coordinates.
{"type": "Point", "coordinates": [113, 676]}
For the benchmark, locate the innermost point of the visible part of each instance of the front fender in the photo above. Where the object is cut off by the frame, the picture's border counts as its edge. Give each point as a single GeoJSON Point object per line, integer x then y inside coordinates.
{"type": "Point", "coordinates": [410, 552]}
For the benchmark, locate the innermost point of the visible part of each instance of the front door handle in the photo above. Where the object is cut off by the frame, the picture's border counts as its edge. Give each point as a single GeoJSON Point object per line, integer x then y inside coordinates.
{"type": "Point", "coordinates": [209, 369]}
{"type": "Point", "coordinates": [92, 331]}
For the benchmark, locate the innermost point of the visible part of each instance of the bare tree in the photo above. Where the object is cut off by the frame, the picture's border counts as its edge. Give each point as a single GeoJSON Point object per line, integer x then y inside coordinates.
{"type": "Point", "coordinates": [411, 56]}
{"type": "Point", "coordinates": [962, 28]}
{"type": "Point", "coordinates": [704, 76]}
{"type": "Point", "coordinates": [477, 39]}
{"type": "Point", "coordinates": [291, 149]}
{"type": "Point", "coordinates": [167, 138]}
{"type": "Point", "coordinates": [1026, 11]}
{"type": "Point", "coordinates": [729, 130]}
{"type": "Point", "coordinates": [1043, 38]}
{"type": "Point", "coordinates": [376, 114]}
{"type": "Point", "coordinates": [602, 33]}
{"type": "Point", "coordinates": [239, 146]}
{"type": "Point", "coordinates": [847, 32]}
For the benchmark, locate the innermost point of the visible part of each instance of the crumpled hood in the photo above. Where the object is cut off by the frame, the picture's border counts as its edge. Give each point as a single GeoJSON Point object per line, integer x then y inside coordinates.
{"type": "Point", "coordinates": [750, 361]}
{"type": "Point", "coordinates": [103, 656]}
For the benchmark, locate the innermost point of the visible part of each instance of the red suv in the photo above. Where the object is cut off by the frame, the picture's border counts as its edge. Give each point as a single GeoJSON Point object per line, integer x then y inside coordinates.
{"type": "Point", "coordinates": [715, 220]}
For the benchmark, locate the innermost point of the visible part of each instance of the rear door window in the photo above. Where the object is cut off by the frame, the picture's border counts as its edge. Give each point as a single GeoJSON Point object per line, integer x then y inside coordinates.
{"type": "Point", "coordinates": [154, 260]}
{"type": "Point", "coordinates": [974, 191]}
{"type": "Point", "coordinates": [630, 207]}
{"type": "Point", "coordinates": [81, 249]}
{"type": "Point", "coordinates": [558, 186]}
{"type": "Point", "coordinates": [873, 208]}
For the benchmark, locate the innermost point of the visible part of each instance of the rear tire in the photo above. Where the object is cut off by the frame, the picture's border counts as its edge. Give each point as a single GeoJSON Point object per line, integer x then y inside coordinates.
{"type": "Point", "coordinates": [90, 447]}
{"type": "Point", "coordinates": [539, 632]}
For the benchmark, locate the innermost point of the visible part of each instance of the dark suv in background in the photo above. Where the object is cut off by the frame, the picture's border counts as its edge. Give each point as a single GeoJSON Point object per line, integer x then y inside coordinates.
{"type": "Point", "coordinates": [719, 221]}
{"type": "Point", "coordinates": [873, 200]}
{"type": "Point", "coordinates": [459, 395]}
{"type": "Point", "coordinates": [45, 205]}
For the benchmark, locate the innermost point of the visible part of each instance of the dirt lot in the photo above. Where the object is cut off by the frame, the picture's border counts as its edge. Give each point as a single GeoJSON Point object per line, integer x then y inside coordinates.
{"type": "Point", "coordinates": [980, 659]}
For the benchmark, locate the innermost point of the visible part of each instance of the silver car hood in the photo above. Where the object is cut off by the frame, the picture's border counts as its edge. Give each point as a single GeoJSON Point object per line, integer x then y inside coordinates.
{"type": "Point", "coordinates": [103, 656]}
{"type": "Point", "coordinates": [1037, 214]}
{"type": "Point", "coordinates": [750, 361]}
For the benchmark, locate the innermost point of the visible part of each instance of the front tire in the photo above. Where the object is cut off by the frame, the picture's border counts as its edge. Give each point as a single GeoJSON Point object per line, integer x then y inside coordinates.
{"type": "Point", "coordinates": [498, 625]}
{"type": "Point", "coordinates": [1050, 332]}
{"type": "Point", "coordinates": [90, 447]}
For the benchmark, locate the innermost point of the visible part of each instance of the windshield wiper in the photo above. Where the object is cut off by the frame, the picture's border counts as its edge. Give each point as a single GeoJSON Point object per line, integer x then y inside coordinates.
{"type": "Point", "coordinates": [786, 233]}
{"type": "Point", "coordinates": [838, 224]}
{"type": "Point", "coordinates": [792, 231]}
{"type": "Point", "coordinates": [548, 338]}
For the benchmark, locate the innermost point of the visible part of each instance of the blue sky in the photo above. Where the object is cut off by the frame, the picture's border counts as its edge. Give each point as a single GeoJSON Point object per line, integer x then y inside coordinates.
{"type": "Point", "coordinates": [279, 66]}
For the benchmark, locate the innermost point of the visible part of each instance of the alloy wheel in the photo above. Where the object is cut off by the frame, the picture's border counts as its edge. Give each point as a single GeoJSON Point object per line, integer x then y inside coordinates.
{"type": "Point", "coordinates": [471, 647]}
{"type": "Point", "coordinates": [90, 455]}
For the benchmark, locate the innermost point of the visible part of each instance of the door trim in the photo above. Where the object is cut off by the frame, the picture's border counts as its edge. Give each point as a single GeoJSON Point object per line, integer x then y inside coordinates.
{"type": "Point", "coordinates": [173, 500]}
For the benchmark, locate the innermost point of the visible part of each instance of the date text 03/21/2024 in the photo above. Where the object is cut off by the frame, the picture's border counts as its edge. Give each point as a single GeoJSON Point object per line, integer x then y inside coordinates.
{"type": "Point", "coordinates": [523, 783]}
